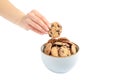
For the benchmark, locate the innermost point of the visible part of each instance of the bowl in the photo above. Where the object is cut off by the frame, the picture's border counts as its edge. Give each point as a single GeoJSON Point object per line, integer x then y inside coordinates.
{"type": "Point", "coordinates": [59, 64]}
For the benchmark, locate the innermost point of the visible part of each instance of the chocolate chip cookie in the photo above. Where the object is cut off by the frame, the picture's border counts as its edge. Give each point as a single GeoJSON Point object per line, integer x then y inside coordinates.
{"type": "Point", "coordinates": [54, 51]}
{"type": "Point", "coordinates": [55, 30]}
{"type": "Point", "coordinates": [47, 48]}
{"type": "Point", "coordinates": [64, 51]}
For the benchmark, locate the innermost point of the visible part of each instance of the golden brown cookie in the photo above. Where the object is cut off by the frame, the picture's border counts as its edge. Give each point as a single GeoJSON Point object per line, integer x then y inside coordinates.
{"type": "Point", "coordinates": [64, 51]}
{"type": "Point", "coordinates": [52, 40]}
{"type": "Point", "coordinates": [63, 39]}
{"type": "Point", "coordinates": [54, 51]}
{"type": "Point", "coordinates": [55, 30]}
{"type": "Point", "coordinates": [73, 48]}
{"type": "Point", "coordinates": [58, 43]}
{"type": "Point", "coordinates": [47, 48]}
{"type": "Point", "coordinates": [67, 45]}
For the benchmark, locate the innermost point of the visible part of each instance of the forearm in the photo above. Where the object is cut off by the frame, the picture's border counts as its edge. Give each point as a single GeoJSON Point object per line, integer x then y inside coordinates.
{"type": "Point", "coordinates": [11, 13]}
{"type": "Point", "coordinates": [32, 21]}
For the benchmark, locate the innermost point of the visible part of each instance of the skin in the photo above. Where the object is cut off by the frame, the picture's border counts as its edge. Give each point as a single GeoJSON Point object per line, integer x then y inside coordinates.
{"type": "Point", "coordinates": [32, 21]}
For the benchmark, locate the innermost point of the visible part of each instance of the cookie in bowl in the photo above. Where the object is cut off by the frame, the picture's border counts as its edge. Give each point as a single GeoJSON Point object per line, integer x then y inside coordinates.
{"type": "Point", "coordinates": [61, 47]}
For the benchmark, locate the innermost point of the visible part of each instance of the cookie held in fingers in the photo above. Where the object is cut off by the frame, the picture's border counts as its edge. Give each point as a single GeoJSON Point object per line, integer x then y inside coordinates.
{"type": "Point", "coordinates": [55, 30]}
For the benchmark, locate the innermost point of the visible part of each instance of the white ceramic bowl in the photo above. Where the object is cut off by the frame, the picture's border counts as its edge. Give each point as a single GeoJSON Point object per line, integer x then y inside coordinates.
{"type": "Point", "coordinates": [59, 64]}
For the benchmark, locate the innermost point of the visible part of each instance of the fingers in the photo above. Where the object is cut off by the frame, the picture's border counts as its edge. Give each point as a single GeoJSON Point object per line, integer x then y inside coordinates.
{"type": "Point", "coordinates": [33, 29]}
{"type": "Point", "coordinates": [45, 21]}
{"type": "Point", "coordinates": [35, 26]}
{"type": "Point", "coordinates": [36, 22]}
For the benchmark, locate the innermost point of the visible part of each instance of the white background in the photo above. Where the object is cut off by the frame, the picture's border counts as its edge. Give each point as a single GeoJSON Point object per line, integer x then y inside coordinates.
{"type": "Point", "coordinates": [93, 24]}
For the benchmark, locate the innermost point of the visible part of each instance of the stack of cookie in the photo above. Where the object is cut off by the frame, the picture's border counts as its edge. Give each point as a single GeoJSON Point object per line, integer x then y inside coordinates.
{"type": "Point", "coordinates": [59, 47]}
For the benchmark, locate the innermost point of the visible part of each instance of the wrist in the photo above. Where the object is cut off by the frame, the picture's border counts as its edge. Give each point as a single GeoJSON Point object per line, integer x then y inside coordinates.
{"type": "Point", "coordinates": [20, 20]}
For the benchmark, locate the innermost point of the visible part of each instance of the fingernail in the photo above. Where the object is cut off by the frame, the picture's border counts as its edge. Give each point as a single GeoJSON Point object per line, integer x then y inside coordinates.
{"type": "Point", "coordinates": [47, 29]}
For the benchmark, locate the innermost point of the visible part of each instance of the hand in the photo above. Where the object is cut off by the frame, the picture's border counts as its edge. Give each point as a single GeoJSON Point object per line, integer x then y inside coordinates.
{"type": "Point", "coordinates": [36, 22]}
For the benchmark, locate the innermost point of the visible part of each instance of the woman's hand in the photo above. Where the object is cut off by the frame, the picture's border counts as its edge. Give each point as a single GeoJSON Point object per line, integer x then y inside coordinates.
{"type": "Point", "coordinates": [32, 21]}
{"type": "Point", "coordinates": [36, 22]}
